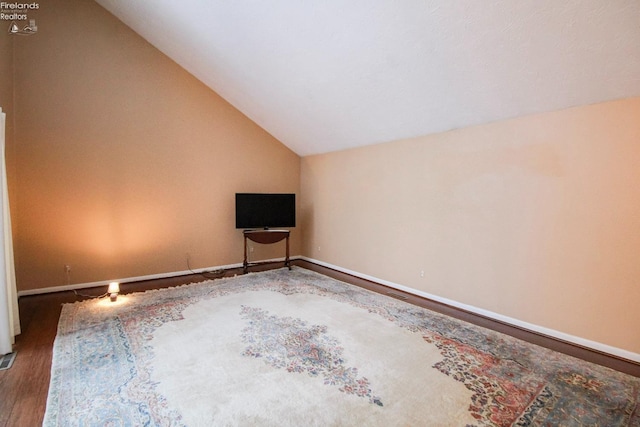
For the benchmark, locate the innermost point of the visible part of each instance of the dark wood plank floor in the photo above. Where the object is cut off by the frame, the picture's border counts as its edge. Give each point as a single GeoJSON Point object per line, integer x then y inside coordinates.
{"type": "Point", "coordinates": [24, 387]}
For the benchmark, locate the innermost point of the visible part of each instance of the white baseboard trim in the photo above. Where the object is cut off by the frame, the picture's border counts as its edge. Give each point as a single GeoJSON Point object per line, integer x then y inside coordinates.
{"type": "Point", "coordinates": [604, 348]}
{"type": "Point", "coordinates": [105, 283]}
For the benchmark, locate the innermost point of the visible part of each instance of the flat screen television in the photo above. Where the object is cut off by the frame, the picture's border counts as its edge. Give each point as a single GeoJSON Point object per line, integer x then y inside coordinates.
{"type": "Point", "coordinates": [265, 210]}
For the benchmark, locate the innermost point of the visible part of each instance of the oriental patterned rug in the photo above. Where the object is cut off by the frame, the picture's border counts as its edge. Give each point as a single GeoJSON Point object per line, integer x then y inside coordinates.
{"type": "Point", "coordinates": [295, 348]}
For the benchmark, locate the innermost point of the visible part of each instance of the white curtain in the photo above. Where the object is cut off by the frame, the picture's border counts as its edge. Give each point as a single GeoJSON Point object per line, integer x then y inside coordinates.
{"type": "Point", "coordinates": [9, 316]}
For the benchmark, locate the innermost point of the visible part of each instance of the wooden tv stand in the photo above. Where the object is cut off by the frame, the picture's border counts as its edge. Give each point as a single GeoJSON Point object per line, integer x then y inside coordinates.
{"type": "Point", "coordinates": [265, 237]}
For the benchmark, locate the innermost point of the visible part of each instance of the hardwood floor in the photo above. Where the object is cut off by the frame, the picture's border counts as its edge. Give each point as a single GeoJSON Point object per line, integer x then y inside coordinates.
{"type": "Point", "coordinates": [24, 387]}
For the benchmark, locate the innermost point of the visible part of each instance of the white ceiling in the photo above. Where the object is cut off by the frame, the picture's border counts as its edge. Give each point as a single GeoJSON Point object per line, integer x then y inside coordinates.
{"type": "Point", "coordinates": [325, 75]}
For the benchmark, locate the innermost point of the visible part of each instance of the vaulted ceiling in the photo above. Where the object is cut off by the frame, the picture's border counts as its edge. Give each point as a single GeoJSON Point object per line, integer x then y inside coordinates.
{"type": "Point", "coordinates": [329, 75]}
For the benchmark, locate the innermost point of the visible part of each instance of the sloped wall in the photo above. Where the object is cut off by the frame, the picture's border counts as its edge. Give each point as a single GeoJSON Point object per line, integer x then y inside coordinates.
{"type": "Point", "coordinates": [126, 162]}
{"type": "Point", "coordinates": [536, 218]}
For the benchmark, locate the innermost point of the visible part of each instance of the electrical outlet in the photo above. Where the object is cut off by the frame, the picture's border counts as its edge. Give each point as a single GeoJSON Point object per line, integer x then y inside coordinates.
{"type": "Point", "coordinates": [251, 249]}
{"type": "Point", "coordinates": [67, 268]}
{"type": "Point", "coordinates": [421, 273]}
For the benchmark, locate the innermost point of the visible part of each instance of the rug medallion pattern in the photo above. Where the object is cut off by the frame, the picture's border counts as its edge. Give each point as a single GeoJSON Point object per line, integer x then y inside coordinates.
{"type": "Point", "coordinates": [291, 344]}
{"type": "Point", "coordinates": [103, 363]}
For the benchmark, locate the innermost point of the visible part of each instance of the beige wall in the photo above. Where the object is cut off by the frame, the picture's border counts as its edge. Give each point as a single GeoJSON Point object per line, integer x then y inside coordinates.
{"type": "Point", "coordinates": [6, 101]}
{"type": "Point", "coordinates": [126, 162]}
{"type": "Point", "coordinates": [6, 71]}
{"type": "Point", "coordinates": [536, 218]}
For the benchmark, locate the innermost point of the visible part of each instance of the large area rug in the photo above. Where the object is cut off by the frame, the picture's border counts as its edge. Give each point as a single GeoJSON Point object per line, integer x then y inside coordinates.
{"type": "Point", "coordinates": [295, 348]}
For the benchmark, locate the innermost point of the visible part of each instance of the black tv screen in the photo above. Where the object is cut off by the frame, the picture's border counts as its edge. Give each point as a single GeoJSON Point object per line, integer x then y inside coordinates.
{"type": "Point", "coordinates": [265, 210]}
